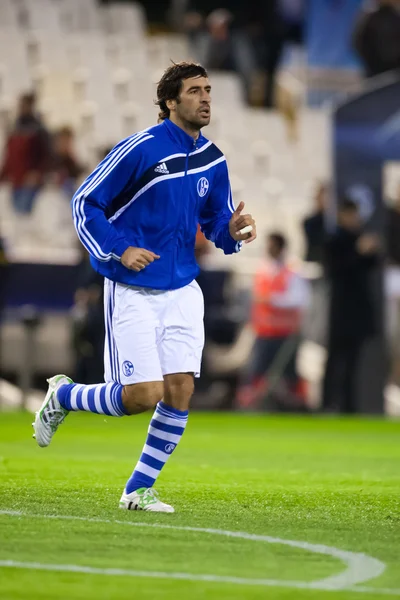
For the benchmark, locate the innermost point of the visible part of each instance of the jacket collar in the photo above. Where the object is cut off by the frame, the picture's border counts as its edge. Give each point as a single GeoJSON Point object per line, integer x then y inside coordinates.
{"type": "Point", "coordinates": [183, 139]}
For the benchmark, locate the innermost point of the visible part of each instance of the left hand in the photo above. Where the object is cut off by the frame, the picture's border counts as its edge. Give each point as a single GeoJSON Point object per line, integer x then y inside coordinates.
{"type": "Point", "coordinates": [238, 221]}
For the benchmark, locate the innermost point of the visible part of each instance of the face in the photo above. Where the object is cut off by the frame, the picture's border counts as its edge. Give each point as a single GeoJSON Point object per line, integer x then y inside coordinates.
{"type": "Point", "coordinates": [273, 249]}
{"type": "Point", "coordinates": [320, 197]}
{"type": "Point", "coordinates": [26, 107]}
{"type": "Point", "coordinates": [349, 219]}
{"type": "Point", "coordinates": [194, 107]}
{"type": "Point", "coordinates": [64, 143]}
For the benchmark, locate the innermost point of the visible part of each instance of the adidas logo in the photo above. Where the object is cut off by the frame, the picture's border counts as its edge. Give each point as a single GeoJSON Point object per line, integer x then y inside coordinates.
{"type": "Point", "coordinates": [162, 169]}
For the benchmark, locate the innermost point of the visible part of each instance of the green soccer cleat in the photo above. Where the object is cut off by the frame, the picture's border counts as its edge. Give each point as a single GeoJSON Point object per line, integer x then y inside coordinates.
{"type": "Point", "coordinates": [144, 499]}
{"type": "Point", "coordinates": [51, 413]}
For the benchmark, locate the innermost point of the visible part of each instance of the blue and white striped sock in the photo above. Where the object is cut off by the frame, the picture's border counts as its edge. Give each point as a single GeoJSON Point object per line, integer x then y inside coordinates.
{"type": "Point", "coordinates": [100, 398]}
{"type": "Point", "coordinates": [165, 431]}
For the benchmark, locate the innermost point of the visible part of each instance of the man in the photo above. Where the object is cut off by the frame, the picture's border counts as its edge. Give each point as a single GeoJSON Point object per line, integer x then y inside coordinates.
{"type": "Point", "coordinates": [392, 282]}
{"type": "Point", "coordinates": [314, 226]}
{"type": "Point", "coordinates": [26, 156]}
{"type": "Point", "coordinates": [350, 257]}
{"type": "Point", "coordinates": [279, 298]}
{"type": "Point", "coordinates": [137, 215]}
{"type": "Point", "coordinates": [377, 38]}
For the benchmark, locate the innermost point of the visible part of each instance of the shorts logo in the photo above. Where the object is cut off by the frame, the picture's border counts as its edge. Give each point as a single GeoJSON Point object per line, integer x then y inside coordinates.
{"type": "Point", "coordinates": [169, 448]}
{"type": "Point", "coordinates": [127, 368]}
{"type": "Point", "coordinates": [202, 186]}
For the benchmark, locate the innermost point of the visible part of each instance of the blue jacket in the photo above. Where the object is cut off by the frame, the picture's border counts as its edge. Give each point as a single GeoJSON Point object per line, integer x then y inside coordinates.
{"type": "Point", "coordinates": [151, 192]}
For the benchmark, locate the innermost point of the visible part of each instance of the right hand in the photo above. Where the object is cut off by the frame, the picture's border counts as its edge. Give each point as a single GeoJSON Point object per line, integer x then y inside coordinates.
{"type": "Point", "coordinates": [368, 243]}
{"type": "Point", "coordinates": [137, 259]}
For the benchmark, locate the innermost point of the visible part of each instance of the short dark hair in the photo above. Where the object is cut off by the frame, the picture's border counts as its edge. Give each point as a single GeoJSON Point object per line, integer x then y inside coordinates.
{"type": "Point", "coordinates": [348, 205]}
{"type": "Point", "coordinates": [279, 239]}
{"type": "Point", "coordinates": [28, 98]}
{"type": "Point", "coordinates": [170, 85]}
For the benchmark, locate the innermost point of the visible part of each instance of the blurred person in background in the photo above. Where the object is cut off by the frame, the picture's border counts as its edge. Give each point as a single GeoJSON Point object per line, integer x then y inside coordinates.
{"type": "Point", "coordinates": [280, 297]}
{"type": "Point", "coordinates": [26, 156]}
{"type": "Point", "coordinates": [392, 283]}
{"type": "Point", "coordinates": [4, 270]}
{"type": "Point", "coordinates": [283, 23]}
{"type": "Point", "coordinates": [88, 323]}
{"type": "Point", "coordinates": [314, 226]}
{"type": "Point", "coordinates": [66, 166]}
{"type": "Point", "coordinates": [253, 37]}
{"type": "Point", "coordinates": [377, 37]}
{"type": "Point", "coordinates": [219, 40]}
{"type": "Point", "coordinates": [350, 255]}
{"type": "Point", "coordinates": [314, 229]}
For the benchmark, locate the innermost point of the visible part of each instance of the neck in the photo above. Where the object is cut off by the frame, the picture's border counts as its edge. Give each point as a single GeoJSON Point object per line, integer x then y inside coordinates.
{"type": "Point", "coordinates": [187, 127]}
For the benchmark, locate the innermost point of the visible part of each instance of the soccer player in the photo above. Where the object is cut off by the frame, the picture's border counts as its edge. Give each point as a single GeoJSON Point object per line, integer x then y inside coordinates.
{"type": "Point", "coordinates": [137, 215]}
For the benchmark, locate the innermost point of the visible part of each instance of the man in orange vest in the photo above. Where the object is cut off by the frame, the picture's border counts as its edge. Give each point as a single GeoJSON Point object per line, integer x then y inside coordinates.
{"type": "Point", "coordinates": [280, 296]}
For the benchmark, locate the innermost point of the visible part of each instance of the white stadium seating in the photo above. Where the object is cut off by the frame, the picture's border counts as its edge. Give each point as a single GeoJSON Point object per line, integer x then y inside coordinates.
{"type": "Point", "coordinates": [96, 69]}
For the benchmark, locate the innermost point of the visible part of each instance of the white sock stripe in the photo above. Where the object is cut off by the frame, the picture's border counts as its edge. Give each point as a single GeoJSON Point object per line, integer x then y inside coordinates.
{"type": "Point", "coordinates": [158, 454]}
{"type": "Point", "coordinates": [170, 414]}
{"type": "Point", "coordinates": [163, 435]}
{"type": "Point", "coordinates": [146, 470]}
{"type": "Point", "coordinates": [173, 417]}
{"type": "Point", "coordinates": [110, 399]}
{"type": "Point", "coordinates": [169, 421]}
{"type": "Point", "coordinates": [115, 400]}
{"type": "Point", "coordinates": [74, 393]}
{"type": "Point", "coordinates": [84, 399]}
{"type": "Point", "coordinates": [111, 402]}
{"type": "Point", "coordinates": [97, 403]}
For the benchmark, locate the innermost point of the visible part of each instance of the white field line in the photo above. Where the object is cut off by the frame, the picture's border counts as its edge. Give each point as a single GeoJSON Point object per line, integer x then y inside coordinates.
{"type": "Point", "coordinates": [185, 577]}
{"type": "Point", "coordinates": [360, 567]}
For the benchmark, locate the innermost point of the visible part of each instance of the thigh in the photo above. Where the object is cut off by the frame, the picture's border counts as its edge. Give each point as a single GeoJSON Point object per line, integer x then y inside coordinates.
{"type": "Point", "coordinates": [130, 351]}
{"type": "Point", "coordinates": [182, 341]}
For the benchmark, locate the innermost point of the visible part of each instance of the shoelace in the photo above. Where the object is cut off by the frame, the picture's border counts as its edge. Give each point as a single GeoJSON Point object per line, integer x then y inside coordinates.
{"type": "Point", "coordinates": [150, 496]}
{"type": "Point", "coordinates": [151, 492]}
{"type": "Point", "coordinates": [56, 416]}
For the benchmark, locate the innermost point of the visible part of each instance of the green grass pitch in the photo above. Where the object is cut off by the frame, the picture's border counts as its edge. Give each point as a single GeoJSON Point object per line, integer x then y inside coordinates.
{"type": "Point", "coordinates": [327, 481]}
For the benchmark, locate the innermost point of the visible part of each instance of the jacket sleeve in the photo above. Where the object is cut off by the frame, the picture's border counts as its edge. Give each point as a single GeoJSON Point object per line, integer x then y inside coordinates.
{"type": "Point", "coordinates": [92, 202]}
{"type": "Point", "coordinates": [217, 212]}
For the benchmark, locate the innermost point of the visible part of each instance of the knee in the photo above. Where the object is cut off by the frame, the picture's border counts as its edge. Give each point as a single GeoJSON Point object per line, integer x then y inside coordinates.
{"type": "Point", "coordinates": [140, 397]}
{"type": "Point", "coordinates": [179, 389]}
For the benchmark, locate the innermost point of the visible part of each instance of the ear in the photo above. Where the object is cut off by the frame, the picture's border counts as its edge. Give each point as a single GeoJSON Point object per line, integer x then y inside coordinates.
{"type": "Point", "coordinates": [171, 104]}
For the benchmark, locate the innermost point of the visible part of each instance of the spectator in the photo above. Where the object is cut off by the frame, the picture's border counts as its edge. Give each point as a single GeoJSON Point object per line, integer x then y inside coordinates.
{"type": "Point", "coordinates": [279, 298]}
{"type": "Point", "coordinates": [220, 44]}
{"type": "Point", "coordinates": [350, 257]}
{"type": "Point", "coordinates": [88, 323]}
{"type": "Point", "coordinates": [377, 38]}
{"type": "Point", "coordinates": [4, 271]}
{"type": "Point", "coordinates": [393, 231]}
{"type": "Point", "coordinates": [392, 284]}
{"type": "Point", "coordinates": [314, 226]}
{"type": "Point", "coordinates": [66, 166]}
{"type": "Point", "coordinates": [26, 156]}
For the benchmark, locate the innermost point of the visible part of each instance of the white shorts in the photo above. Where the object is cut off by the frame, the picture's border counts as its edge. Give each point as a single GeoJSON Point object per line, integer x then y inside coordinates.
{"type": "Point", "coordinates": [152, 333]}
